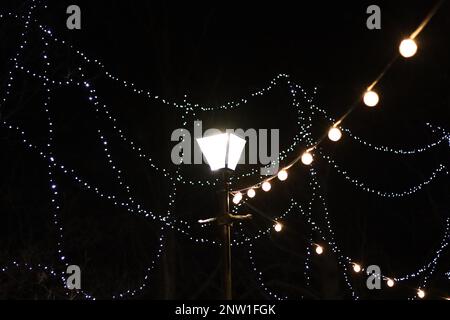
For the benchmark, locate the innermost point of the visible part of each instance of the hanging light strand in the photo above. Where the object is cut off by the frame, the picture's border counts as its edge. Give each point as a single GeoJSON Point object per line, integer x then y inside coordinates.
{"type": "Point", "coordinates": [370, 98]}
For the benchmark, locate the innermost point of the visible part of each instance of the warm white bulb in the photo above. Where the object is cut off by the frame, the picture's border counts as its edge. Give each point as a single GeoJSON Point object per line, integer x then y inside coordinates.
{"type": "Point", "coordinates": [266, 186]}
{"type": "Point", "coordinates": [237, 198]}
{"type": "Point", "coordinates": [307, 158]}
{"type": "Point", "coordinates": [251, 193]}
{"type": "Point", "coordinates": [421, 293]}
{"type": "Point", "coordinates": [319, 249]}
{"type": "Point", "coordinates": [390, 283]}
{"type": "Point", "coordinates": [408, 48]}
{"type": "Point", "coordinates": [282, 175]}
{"type": "Point", "coordinates": [371, 98]}
{"type": "Point", "coordinates": [278, 227]}
{"type": "Point", "coordinates": [334, 134]}
{"type": "Point", "coordinates": [356, 267]}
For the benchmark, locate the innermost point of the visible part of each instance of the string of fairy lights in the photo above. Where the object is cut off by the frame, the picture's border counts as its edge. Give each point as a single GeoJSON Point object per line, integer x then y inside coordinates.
{"type": "Point", "coordinates": [319, 247]}
{"type": "Point", "coordinates": [407, 48]}
{"type": "Point", "coordinates": [55, 198]}
{"type": "Point", "coordinates": [182, 179]}
{"type": "Point", "coordinates": [370, 98]}
{"type": "Point", "coordinates": [356, 267]}
{"type": "Point", "coordinates": [283, 154]}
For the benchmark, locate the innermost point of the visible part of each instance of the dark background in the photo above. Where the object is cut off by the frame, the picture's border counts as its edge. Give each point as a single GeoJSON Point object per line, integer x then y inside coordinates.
{"type": "Point", "coordinates": [214, 53]}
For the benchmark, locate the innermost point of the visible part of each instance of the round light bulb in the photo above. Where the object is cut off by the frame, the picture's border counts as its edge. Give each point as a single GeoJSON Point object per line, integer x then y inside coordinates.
{"type": "Point", "coordinates": [334, 134]}
{"type": "Point", "coordinates": [408, 48]}
{"type": "Point", "coordinates": [307, 158]}
{"type": "Point", "coordinates": [266, 186]}
{"type": "Point", "coordinates": [390, 283]}
{"type": "Point", "coordinates": [282, 175]}
{"type": "Point", "coordinates": [356, 267]}
{"type": "Point", "coordinates": [251, 193]}
{"type": "Point", "coordinates": [278, 227]}
{"type": "Point", "coordinates": [319, 250]}
{"type": "Point", "coordinates": [237, 198]}
{"type": "Point", "coordinates": [371, 98]}
{"type": "Point", "coordinates": [421, 293]}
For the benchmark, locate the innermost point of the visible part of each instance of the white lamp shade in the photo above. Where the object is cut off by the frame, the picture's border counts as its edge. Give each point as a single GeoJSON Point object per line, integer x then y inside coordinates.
{"type": "Point", "coordinates": [222, 150]}
{"type": "Point", "coordinates": [215, 150]}
{"type": "Point", "coordinates": [235, 147]}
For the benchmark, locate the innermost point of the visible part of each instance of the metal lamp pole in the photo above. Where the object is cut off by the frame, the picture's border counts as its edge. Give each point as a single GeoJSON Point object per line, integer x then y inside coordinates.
{"type": "Point", "coordinates": [213, 147]}
{"type": "Point", "coordinates": [227, 241]}
{"type": "Point", "coordinates": [225, 220]}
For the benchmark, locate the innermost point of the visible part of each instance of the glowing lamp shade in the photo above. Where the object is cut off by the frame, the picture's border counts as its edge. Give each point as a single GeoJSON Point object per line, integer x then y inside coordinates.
{"type": "Point", "coordinates": [235, 147]}
{"type": "Point", "coordinates": [408, 48]}
{"type": "Point", "coordinates": [222, 150]}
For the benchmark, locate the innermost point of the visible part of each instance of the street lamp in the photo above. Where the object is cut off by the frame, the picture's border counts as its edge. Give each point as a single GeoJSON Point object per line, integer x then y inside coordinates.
{"type": "Point", "coordinates": [223, 151]}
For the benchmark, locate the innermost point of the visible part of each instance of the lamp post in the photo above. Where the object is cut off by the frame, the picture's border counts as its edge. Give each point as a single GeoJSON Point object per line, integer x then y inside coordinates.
{"type": "Point", "coordinates": [222, 152]}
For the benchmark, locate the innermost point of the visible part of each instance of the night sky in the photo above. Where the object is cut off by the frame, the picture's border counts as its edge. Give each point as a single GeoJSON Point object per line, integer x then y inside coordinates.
{"type": "Point", "coordinates": [209, 54]}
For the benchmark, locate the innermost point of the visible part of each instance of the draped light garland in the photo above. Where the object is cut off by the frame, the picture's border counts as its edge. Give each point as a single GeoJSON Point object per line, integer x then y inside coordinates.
{"type": "Point", "coordinates": [407, 48]}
